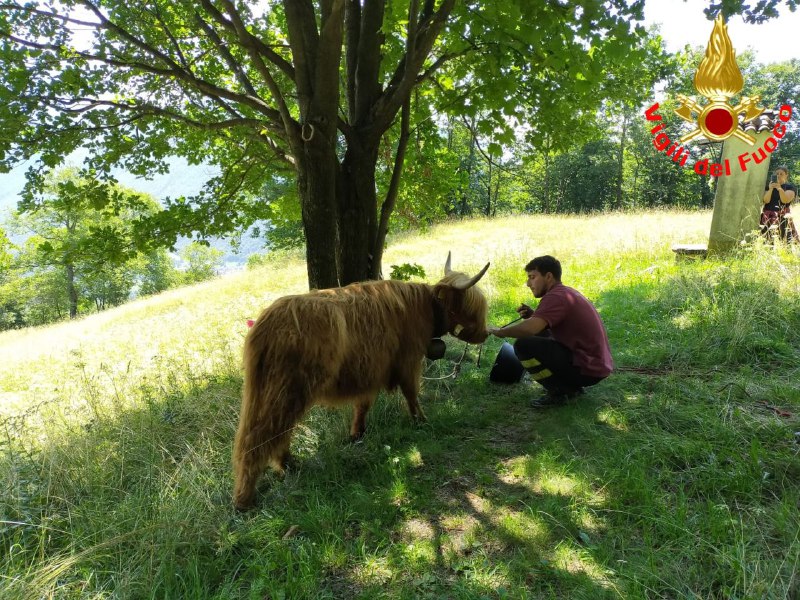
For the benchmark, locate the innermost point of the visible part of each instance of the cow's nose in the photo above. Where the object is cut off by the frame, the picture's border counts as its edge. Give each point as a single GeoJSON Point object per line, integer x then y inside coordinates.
{"type": "Point", "coordinates": [480, 337]}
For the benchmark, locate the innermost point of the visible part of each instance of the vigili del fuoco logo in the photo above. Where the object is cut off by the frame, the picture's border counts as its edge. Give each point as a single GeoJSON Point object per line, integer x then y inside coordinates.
{"type": "Point", "coordinates": [718, 78]}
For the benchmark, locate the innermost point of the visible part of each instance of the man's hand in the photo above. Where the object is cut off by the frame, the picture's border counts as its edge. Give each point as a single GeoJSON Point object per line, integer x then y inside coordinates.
{"type": "Point", "coordinates": [525, 311]}
{"type": "Point", "coordinates": [495, 331]}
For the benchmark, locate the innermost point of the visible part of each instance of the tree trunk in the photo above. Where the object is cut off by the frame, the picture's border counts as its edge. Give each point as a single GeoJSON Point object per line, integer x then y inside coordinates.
{"type": "Point", "coordinates": [621, 160]}
{"type": "Point", "coordinates": [357, 217]}
{"type": "Point", "coordinates": [465, 209]}
{"type": "Point", "coordinates": [496, 195]}
{"type": "Point", "coordinates": [488, 211]}
{"type": "Point", "coordinates": [316, 183]}
{"type": "Point", "coordinates": [546, 199]}
{"type": "Point", "coordinates": [706, 199]}
{"type": "Point", "coordinates": [72, 292]}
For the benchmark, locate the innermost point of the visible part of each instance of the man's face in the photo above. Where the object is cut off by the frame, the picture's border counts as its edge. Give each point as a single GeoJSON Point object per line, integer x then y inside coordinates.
{"type": "Point", "coordinates": [782, 176]}
{"type": "Point", "coordinates": [538, 283]}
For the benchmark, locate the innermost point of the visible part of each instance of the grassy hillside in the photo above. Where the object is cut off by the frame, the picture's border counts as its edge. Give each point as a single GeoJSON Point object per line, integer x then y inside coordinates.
{"type": "Point", "coordinates": [671, 479]}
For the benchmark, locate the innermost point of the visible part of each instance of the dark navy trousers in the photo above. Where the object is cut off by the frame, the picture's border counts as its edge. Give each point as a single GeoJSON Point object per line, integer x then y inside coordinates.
{"type": "Point", "coordinates": [550, 364]}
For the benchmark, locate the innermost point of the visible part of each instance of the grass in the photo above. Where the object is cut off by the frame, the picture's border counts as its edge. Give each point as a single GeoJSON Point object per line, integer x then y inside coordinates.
{"type": "Point", "coordinates": [670, 479]}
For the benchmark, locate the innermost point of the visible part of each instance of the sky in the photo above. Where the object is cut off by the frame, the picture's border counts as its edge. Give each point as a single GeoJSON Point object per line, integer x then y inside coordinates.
{"type": "Point", "coordinates": [682, 22]}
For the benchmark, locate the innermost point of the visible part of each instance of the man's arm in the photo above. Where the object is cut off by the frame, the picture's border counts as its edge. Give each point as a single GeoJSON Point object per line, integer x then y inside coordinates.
{"type": "Point", "coordinates": [528, 327]}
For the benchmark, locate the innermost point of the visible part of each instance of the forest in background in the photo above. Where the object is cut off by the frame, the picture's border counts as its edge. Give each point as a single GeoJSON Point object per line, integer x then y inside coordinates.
{"type": "Point", "coordinates": [454, 167]}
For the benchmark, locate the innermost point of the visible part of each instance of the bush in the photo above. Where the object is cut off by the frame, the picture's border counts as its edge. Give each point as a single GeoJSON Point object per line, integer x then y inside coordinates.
{"type": "Point", "coordinates": [406, 271]}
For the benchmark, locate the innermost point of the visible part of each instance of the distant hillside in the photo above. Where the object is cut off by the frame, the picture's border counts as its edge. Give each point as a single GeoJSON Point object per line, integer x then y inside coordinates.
{"type": "Point", "coordinates": [182, 179]}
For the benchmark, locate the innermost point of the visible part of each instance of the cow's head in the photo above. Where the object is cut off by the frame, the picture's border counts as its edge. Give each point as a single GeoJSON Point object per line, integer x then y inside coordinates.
{"type": "Point", "coordinates": [464, 303]}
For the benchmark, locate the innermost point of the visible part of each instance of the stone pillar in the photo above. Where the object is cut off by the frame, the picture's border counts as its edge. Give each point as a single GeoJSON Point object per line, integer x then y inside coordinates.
{"type": "Point", "coordinates": [738, 202]}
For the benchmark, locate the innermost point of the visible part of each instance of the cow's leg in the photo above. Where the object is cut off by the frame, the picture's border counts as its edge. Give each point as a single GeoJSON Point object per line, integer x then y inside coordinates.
{"type": "Point", "coordinates": [244, 487]}
{"type": "Point", "coordinates": [409, 385]}
{"type": "Point", "coordinates": [361, 407]}
{"type": "Point", "coordinates": [263, 438]}
{"type": "Point", "coordinates": [252, 453]}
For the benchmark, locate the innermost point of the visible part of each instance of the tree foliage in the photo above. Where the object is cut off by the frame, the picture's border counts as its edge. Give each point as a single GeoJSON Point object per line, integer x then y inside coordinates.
{"type": "Point", "coordinates": [202, 262]}
{"type": "Point", "coordinates": [300, 88]}
{"type": "Point", "coordinates": [78, 253]}
{"type": "Point", "coordinates": [5, 253]}
{"type": "Point", "coordinates": [762, 11]}
{"type": "Point", "coordinates": [328, 95]}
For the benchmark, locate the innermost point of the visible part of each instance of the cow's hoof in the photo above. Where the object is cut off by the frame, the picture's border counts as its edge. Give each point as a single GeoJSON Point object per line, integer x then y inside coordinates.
{"type": "Point", "coordinates": [244, 504]}
{"type": "Point", "coordinates": [289, 463]}
{"type": "Point", "coordinates": [357, 438]}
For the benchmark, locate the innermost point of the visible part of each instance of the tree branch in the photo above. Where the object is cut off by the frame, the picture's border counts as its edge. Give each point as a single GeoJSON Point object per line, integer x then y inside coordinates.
{"type": "Point", "coordinates": [482, 152]}
{"type": "Point", "coordinates": [325, 100]}
{"type": "Point", "coordinates": [109, 25]}
{"type": "Point", "coordinates": [303, 39]}
{"type": "Point", "coordinates": [49, 15]}
{"type": "Point", "coordinates": [175, 44]}
{"type": "Point", "coordinates": [394, 96]}
{"type": "Point", "coordinates": [352, 30]}
{"type": "Point", "coordinates": [370, 39]}
{"type": "Point", "coordinates": [234, 66]}
{"type": "Point", "coordinates": [439, 62]}
{"type": "Point", "coordinates": [394, 187]}
{"type": "Point", "coordinates": [208, 89]}
{"type": "Point", "coordinates": [291, 126]}
{"type": "Point", "coordinates": [263, 48]}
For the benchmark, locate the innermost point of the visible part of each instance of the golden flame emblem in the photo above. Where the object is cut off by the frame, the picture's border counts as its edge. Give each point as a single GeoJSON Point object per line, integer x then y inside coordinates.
{"type": "Point", "coordinates": [718, 78]}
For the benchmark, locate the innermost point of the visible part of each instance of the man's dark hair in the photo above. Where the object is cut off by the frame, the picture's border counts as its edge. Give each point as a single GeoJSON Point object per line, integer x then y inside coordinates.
{"type": "Point", "coordinates": [545, 264]}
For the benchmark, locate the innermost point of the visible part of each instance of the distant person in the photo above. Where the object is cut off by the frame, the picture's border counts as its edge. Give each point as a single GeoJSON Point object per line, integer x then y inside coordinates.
{"type": "Point", "coordinates": [776, 212]}
{"type": "Point", "coordinates": [562, 344]}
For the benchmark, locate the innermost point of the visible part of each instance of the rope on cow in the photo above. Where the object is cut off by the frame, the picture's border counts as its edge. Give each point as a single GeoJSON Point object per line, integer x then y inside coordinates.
{"type": "Point", "coordinates": [456, 368]}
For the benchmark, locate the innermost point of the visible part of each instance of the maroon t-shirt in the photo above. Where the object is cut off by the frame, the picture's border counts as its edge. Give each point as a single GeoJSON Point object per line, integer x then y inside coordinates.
{"type": "Point", "coordinates": [574, 322]}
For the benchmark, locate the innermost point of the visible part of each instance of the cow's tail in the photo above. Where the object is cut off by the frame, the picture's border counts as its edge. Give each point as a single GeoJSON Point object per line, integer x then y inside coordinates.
{"type": "Point", "coordinates": [273, 401]}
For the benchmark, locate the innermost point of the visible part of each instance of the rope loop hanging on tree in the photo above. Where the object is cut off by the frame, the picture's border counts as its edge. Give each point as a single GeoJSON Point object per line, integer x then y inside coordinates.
{"type": "Point", "coordinates": [310, 136]}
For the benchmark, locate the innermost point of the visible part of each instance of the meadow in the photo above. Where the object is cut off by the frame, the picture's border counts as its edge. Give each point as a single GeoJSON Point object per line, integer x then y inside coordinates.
{"type": "Point", "coordinates": [677, 477]}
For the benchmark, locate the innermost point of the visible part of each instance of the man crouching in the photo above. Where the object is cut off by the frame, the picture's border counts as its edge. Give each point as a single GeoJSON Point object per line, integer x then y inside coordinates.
{"type": "Point", "coordinates": [562, 344]}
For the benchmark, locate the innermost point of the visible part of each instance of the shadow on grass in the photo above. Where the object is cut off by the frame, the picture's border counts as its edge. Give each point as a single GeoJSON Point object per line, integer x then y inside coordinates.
{"type": "Point", "coordinates": [116, 499]}
{"type": "Point", "coordinates": [139, 504]}
{"type": "Point", "coordinates": [627, 493]}
{"type": "Point", "coordinates": [421, 512]}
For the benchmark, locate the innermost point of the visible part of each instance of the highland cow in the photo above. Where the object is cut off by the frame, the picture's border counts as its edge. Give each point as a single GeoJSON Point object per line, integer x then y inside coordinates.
{"type": "Point", "coordinates": [341, 346]}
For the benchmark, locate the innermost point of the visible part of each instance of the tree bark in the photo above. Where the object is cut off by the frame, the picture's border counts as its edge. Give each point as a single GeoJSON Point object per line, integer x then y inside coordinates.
{"type": "Point", "coordinates": [465, 193]}
{"type": "Point", "coordinates": [316, 183]}
{"type": "Point", "coordinates": [357, 212]}
{"type": "Point", "coordinates": [316, 55]}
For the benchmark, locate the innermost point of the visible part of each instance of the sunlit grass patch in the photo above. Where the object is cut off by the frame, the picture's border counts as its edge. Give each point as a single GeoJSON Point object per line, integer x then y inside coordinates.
{"type": "Point", "coordinates": [614, 418]}
{"type": "Point", "coordinates": [577, 561]}
{"type": "Point", "coordinates": [547, 473]}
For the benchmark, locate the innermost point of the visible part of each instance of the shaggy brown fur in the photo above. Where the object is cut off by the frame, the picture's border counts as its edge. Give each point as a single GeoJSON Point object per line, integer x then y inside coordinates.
{"type": "Point", "coordinates": [341, 346]}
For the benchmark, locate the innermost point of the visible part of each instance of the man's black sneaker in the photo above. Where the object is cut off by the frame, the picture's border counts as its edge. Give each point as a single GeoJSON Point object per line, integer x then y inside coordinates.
{"type": "Point", "coordinates": [550, 399]}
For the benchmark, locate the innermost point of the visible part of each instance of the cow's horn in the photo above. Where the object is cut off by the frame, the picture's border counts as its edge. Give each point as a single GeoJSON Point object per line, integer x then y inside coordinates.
{"type": "Point", "coordinates": [447, 269]}
{"type": "Point", "coordinates": [474, 280]}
